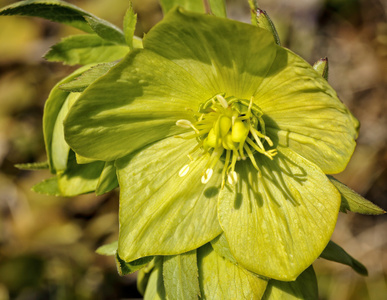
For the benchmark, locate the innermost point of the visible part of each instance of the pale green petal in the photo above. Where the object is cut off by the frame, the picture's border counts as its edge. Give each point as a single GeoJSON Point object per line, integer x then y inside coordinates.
{"type": "Point", "coordinates": [136, 103]}
{"type": "Point", "coordinates": [302, 112]}
{"type": "Point", "coordinates": [79, 179]}
{"type": "Point", "coordinates": [224, 56]}
{"type": "Point", "coordinates": [278, 224]}
{"type": "Point", "coordinates": [180, 273]}
{"type": "Point", "coordinates": [155, 286]}
{"type": "Point", "coordinates": [108, 179]}
{"type": "Point", "coordinates": [221, 279]}
{"type": "Point", "coordinates": [54, 104]}
{"type": "Point", "coordinates": [162, 213]}
{"type": "Point", "coordinates": [304, 288]}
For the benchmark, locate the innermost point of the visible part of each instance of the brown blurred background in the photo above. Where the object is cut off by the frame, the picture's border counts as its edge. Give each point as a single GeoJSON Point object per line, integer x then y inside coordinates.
{"type": "Point", "coordinates": [47, 244]}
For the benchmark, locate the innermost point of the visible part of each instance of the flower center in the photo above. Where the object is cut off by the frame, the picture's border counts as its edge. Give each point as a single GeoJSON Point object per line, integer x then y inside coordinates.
{"type": "Point", "coordinates": [228, 128]}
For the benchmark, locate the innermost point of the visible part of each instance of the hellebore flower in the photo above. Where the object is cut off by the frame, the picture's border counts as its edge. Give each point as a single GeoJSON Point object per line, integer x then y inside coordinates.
{"type": "Point", "coordinates": [216, 129]}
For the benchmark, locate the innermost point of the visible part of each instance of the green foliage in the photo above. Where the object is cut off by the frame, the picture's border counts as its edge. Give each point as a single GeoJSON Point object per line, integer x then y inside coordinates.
{"type": "Point", "coordinates": [86, 49]}
{"type": "Point", "coordinates": [335, 253]}
{"type": "Point", "coordinates": [352, 201]}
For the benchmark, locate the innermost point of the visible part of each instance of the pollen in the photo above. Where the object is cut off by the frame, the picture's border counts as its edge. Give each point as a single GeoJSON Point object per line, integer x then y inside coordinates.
{"type": "Point", "coordinates": [230, 130]}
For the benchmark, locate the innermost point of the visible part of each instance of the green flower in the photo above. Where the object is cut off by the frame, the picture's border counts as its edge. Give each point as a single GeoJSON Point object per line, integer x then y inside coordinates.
{"type": "Point", "coordinates": [216, 129]}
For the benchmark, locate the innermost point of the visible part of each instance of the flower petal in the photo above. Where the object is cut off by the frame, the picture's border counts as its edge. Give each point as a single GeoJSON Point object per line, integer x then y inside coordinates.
{"type": "Point", "coordinates": [162, 213]}
{"type": "Point", "coordinates": [278, 224]}
{"type": "Point", "coordinates": [221, 279]}
{"type": "Point", "coordinates": [225, 56]}
{"type": "Point", "coordinates": [303, 113]}
{"type": "Point", "coordinates": [136, 103]}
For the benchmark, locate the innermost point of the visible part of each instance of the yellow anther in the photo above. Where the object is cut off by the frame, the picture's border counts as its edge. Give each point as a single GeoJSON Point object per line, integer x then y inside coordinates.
{"type": "Point", "coordinates": [207, 176]}
{"type": "Point", "coordinates": [184, 170]}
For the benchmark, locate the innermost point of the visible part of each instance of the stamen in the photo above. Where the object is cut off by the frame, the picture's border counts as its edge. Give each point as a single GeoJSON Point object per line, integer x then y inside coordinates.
{"type": "Point", "coordinates": [227, 125]}
{"type": "Point", "coordinates": [222, 101]}
{"type": "Point", "coordinates": [207, 176]}
{"type": "Point", "coordinates": [184, 170]}
{"type": "Point", "coordinates": [232, 178]}
{"type": "Point", "coordinates": [186, 124]}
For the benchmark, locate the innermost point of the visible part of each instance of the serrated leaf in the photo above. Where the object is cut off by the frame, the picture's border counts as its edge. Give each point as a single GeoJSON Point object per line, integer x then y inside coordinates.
{"type": "Point", "coordinates": [47, 187]}
{"type": "Point", "coordinates": [180, 274]}
{"type": "Point", "coordinates": [335, 253]}
{"type": "Point", "coordinates": [66, 13]}
{"type": "Point", "coordinates": [130, 21]}
{"type": "Point", "coordinates": [352, 201]}
{"type": "Point", "coordinates": [125, 268]}
{"type": "Point", "coordinates": [33, 166]}
{"type": "Point", "coordinates": [102, 28]}
{"type": "Point", "coordinates": [108, 179]}
{"type": "Point", "coordinates": [262, 20]}
{"type": "Point", "coordinates": [303, 288]}
{"type": "Point", "coordinates": [85, 49]}
{"type": "Point", "coordinates": [108, 249]}
{"type": "Point", "coordinates": [80, 83]}
{"type": "Point", "coordinates": [218, 8]}
{"type": "Point", "coordinates": [191, 5]}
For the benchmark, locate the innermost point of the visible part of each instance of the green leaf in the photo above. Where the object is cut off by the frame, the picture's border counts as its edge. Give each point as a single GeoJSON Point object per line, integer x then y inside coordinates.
{"type": "Point", "coordinates": [305, 288]}
{"type": "Point", "coordinates": [139, 90]}
{"type": "Point", "coordinates": [322, 67]}
{"type": "Point", "coordinates": [162, 213]}
{"type": "Point", "coordinates": [108, 179]}
{"type": "Point", "coordinates": [352, 201]}
{"type": "Point", "coordinates": [33, 166]}
{"type": "Point", "coordinates": [263, 21]}
{"type": "Point", "coordinates": [85, 49]}
{"type": "Point", "coordinates": [180, 274]}
{"type": "Point", "coordinates": [335, 253]}
{"type": "Point", "coordinates": [47, 187]}
{"type": "Point", "coordinates": [130, 21]}
{"type": "Point", "coordinates": [108, 249]}
{"type": "Point", "coordinates": [80, 83]}
{"type": "Point", "coordinates": [125, 268]}
{"type": "Point", "coordinates": [278, 222]}
{"type": "Point", "coordinates": [79, 179]}
{"type": "Point", "coordinates": [103, 29]}
{"type": "Point", "coordinates": [191, 5]}
{"type": "Point", "coordinates": [218, 8]}
{"type": "Point", "coordinates": [155, 288]}
{"type": "Point", "coordinates": [52, 108]}
{"type": "Point", "coordinates": [221, 279]}
{"type": "Point", "coordinates": [66, 13]}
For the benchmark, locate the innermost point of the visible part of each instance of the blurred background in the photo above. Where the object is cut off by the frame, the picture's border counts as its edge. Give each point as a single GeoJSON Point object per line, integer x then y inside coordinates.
{"type": "Point", "coordinates": [47, 244]}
